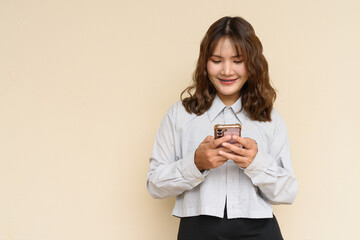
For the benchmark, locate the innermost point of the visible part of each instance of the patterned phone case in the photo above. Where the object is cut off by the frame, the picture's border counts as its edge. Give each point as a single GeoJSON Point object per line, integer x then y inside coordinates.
{"type": "Point", "coordinates": [221, 130]}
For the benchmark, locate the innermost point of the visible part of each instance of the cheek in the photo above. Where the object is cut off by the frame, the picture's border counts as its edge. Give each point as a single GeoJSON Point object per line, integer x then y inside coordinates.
{"type": "Point", "coordinates": [242, 70]}
{"type": "Point", "coordinates": [245, 70]}
{"type": "Point", "coordinates": [211, 69]}
{"type": "Point", "coordinates": [246, 73]}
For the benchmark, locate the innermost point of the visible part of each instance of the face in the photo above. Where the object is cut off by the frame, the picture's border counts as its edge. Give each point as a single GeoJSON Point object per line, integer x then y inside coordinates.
{"type": "Point", "coordinates": [227, 71]}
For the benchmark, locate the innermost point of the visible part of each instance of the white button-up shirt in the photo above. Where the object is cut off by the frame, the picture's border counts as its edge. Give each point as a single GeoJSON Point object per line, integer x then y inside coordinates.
{"type": "Point", "coordinates": [247, 193]}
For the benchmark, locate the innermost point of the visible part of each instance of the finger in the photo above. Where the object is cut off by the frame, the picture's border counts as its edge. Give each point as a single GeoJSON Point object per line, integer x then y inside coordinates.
{"type": "Point", "coordinates": [215, 151]}
{"type": "Point", "coordinates": [234, 157]}
{"type": "Point", "coordinates": [208, 139]}
{"type": "Point", "coordinates": [219, 141]}
{"type": "Point", "coordinates": [220, 158]}
{"type": "Point", "coordinates": [246, 142]}
{"type": "Point", "coordinates": [234, 148]}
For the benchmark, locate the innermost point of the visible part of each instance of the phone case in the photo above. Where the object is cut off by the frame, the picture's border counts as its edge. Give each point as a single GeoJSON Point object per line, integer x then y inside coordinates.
{"type": "Point", "coordinates": [221, 130]}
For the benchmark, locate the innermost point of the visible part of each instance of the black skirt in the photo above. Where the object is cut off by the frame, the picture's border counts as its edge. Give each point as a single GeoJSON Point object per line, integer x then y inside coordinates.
{"type": "Point", "coordinates": [213, 228]}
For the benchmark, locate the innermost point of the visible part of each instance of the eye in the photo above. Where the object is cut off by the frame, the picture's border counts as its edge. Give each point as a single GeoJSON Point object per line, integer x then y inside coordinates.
{"type": "Point", "coordinates": [238, 62]}
{"type": "Point", "coordinates": [215, 61]}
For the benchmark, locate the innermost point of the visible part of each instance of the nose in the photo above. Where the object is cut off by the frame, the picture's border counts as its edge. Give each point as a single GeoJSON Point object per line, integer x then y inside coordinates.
{"type": "Point", "coordinates": [227, 68]}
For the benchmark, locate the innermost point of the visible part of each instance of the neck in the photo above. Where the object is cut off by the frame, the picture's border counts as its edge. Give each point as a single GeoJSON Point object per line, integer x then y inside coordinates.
{"type": "Point", "coordinates": [228, 100]}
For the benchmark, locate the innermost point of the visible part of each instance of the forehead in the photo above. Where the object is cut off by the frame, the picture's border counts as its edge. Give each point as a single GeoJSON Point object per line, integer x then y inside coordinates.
{"type": "Point", "coordinates": [226, 45]}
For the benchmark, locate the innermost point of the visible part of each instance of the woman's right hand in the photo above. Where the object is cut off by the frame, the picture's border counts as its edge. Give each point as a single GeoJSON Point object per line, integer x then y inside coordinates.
{"type": "Point", "coordinates": [207, 154]}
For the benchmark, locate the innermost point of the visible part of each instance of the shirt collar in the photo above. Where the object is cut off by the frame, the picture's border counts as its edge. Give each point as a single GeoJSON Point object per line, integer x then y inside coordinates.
{"type": "Point", "coordinates": [217, 106]}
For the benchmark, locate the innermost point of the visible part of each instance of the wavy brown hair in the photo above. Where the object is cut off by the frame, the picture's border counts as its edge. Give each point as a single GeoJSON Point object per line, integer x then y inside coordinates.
{"type": "Point", "coordinates": [257, 94]}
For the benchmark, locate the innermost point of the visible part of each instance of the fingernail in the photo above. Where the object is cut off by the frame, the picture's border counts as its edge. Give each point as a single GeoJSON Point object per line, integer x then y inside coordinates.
{"type": "Point", "coordinates": [225, 144]}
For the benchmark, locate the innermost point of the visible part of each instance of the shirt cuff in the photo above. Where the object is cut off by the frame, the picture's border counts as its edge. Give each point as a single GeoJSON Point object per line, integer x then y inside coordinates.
{"type": "Point", "coordinates": [259, 165]}
{"type": "Point", "coordinates": [190, 172]}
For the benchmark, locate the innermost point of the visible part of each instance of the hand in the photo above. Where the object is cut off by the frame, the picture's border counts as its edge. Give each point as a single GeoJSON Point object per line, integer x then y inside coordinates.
{"type": "Point", "coordinates": [242, 156]}
{"type": "Point", "coordinates": [207, 154]}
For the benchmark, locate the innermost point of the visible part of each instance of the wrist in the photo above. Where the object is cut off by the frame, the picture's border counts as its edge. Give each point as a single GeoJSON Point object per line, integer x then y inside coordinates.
{"type": "Point", "coordinates": [197, 163]}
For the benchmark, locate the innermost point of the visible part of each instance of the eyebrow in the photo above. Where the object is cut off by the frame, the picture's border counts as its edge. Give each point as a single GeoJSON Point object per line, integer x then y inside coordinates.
{"type": "Point", "coordinates": [237, 56]}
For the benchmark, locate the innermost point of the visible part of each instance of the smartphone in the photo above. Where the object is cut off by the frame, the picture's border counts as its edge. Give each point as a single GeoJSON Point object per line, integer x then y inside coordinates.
{"type": "Point", "coordinates": [221, 130]}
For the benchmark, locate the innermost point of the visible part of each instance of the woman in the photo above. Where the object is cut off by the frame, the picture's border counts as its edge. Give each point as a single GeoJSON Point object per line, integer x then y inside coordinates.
{"type": "Point", "coordinates": [224, 190]}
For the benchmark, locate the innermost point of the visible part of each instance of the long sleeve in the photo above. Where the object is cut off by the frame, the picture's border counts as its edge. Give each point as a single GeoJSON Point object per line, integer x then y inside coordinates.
{"type": "Point", "coordinates": [169, 175]}
{"type": "Point", "coordinates": [272, 172]}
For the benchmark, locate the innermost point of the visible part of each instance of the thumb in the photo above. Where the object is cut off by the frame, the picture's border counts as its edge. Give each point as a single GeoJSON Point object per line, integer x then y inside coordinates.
{"type": "Point", "coordinates": [208, 139]}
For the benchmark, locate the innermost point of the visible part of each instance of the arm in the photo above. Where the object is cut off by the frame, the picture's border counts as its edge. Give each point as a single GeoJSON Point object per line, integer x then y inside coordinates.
{"type": "Point", "coordinates": [271, 172]}
{"type": "Point", "coordinates": [168, 175]}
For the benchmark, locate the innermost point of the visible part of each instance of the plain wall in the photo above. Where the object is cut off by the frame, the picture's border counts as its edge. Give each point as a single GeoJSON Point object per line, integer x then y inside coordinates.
{"type": "Point", "coordinates": [85, 84]}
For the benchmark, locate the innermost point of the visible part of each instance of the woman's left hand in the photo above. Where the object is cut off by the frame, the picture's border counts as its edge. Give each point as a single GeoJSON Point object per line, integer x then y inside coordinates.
{"type": "Point", "coordinates": [242, 156]}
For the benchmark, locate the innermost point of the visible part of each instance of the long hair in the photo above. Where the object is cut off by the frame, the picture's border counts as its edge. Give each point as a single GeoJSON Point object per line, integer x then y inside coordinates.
{"type": "Point", "coordinates": [257, 94]}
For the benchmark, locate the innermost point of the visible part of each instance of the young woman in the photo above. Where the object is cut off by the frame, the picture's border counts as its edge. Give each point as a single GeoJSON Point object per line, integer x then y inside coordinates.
{"type": "Point", "coordinates": [224, 190]}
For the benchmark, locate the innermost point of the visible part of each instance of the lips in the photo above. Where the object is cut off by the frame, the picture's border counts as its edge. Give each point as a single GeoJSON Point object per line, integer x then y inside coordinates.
{"type": "Point", "coordinates": [227, 81]}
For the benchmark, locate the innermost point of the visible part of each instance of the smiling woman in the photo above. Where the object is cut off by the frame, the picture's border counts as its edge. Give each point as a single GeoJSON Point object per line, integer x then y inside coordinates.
{"type": "Point", "coordinates": [224, 187]}
{"type": "Point", "coordinates": [238, 38]}
{"type": "Point", "coordinates": [227, 71]}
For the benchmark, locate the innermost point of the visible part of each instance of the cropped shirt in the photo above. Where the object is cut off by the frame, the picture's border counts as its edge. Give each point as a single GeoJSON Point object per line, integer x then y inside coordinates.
{"type": "Point", "coordinates": [247, 193]}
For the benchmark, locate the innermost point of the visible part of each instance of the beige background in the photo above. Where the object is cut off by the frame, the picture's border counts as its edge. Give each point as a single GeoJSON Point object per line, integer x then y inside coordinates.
{"type": "Point", "coordinates": [85, 84]}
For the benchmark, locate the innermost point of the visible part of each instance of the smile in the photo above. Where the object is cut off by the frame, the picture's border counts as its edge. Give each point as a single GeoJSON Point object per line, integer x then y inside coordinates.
{"type": "Point", "coordinates": [227, 81]}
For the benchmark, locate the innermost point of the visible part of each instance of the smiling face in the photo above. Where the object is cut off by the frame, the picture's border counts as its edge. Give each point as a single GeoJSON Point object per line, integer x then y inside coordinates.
{"type": "Point", "coordinates": [227, 71]}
